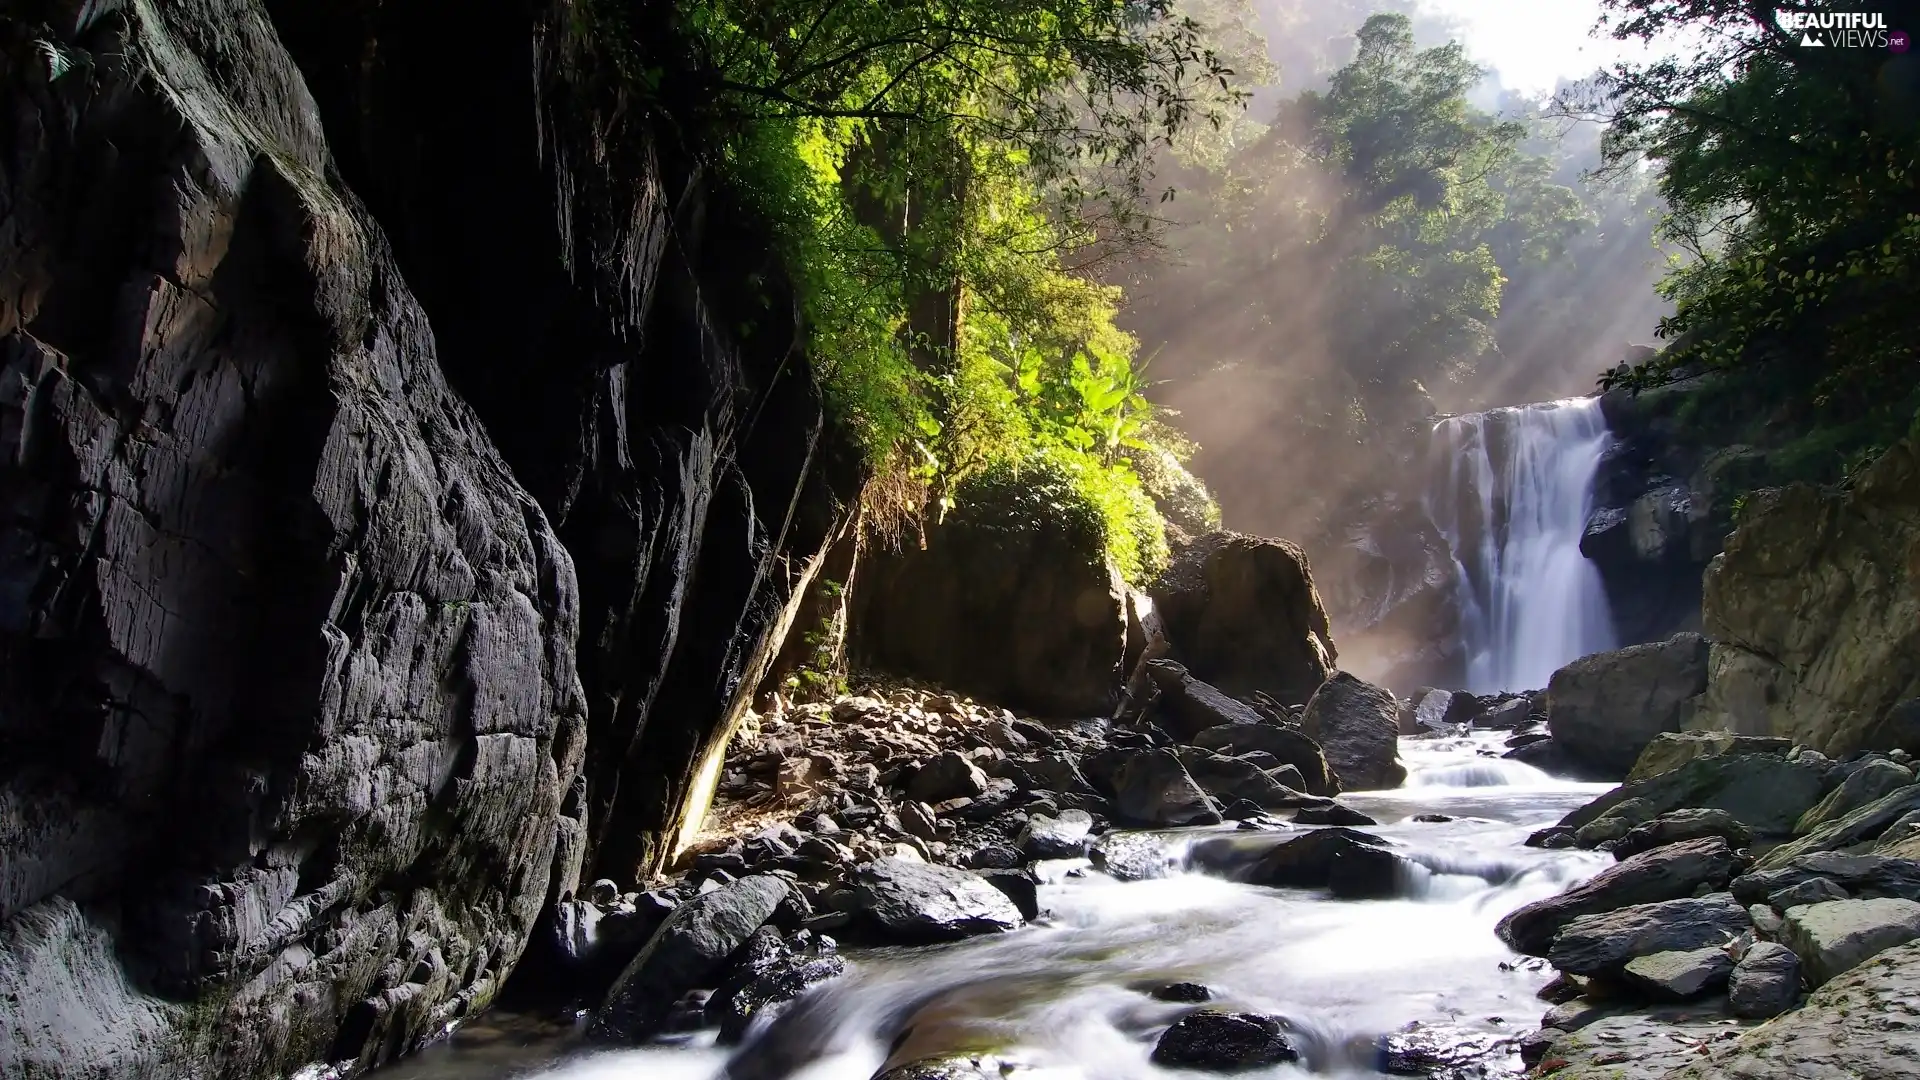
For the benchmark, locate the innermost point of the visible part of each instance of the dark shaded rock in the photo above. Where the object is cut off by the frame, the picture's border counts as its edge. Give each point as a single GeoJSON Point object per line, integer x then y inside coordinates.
{"type": "Point", "coordinates": [1433, 819]}
{"type": "Point", "coordinates": [1228, 779]}
{"type": "Point", "coordinates": [1680, 975]}
{"type": "Point", "coordinates": [1607, 707]}
{"type": "Point", "coordinates": [1151, 787]}
{"type": "Point", "coordinates": [1366, 873]}
{"type": "Point", "coordinates": [1306, 861]}
{"type": "Point", "coordinates": [1019, 886]}
{"type": "Point", "coordinates": [1225, 1042]}
{"type": "Point", "coordinates": [1664, 873]}
{"type": "Point", "coordinates": [1764, 792]}
{"type": "Point", "coordinates": [690, 948]}
{"type": "Point", "coordinates": [1864, 824]}
{"type": "Point", "coordinates": [1553, 837]}
{"type": "Point", "coordinates": [1677, 825]}
{"type": "Point", "coordinates": [1187, 706]}
{"type": "Point", "coordinates": [1817, 890]}
{"type": "Point", "coordinates": [1187, 992]}
{"type": "Point", "coordinates": [1765, 983]}
{"type": "Point", "coordinates": [1289, 745]}
{"type": "Point", "coordinates": [770, 993]}
{"type": "Point", "coordinates": [1441, 1052]}
{"type": "Point", "coordinates": [1337, 814]}
{"type": "Point", "coordinates": [1834, 937]}
{"type": "Point", "coordinates": [1550, 757]}
{"type": "Point", "coordinates": [1860, 875]}
{"type": "Point", "coordinates": [1243, 810]}
{"type": "Point", "coordinates": [1132, 856]}
{"type": "Point", "coordinates": [949, 775]}
{"type": "Point", "coordinates": [916, 902]}
{"type": "Point", "coordinates": [1243, 614]}
{"type": "Point", "coordinates": [1356, 725]}
{"type": "Point", "coordinates": [994, 857]}
{"type": "Point", "coordinates": [1063, 837]}
{"type": "Point", "coordinates": [1603, 944]}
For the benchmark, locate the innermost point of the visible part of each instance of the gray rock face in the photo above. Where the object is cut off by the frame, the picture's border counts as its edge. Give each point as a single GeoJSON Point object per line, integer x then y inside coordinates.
{"type": "Point", "coordinates": [1859, 875]}
{"type": "Point", "coordinates": [1765, 983]}
{"type": "Point", "coordinates": [1243, 613]}
{"type": "Point", "coordinates": [1288, 745]}
{"type": "Point", "coordinates": [1224, 1042]}
{"type": "Point", "coordinates": [1677, 825]}
{"type": "Point", "coordinates": [1357, 726]}
{"type": "Point", "coordinates": [1150, 787]}
{"type": "Point", "coordinates": [1811, 891]}
{"type": "Point", "coordinates": [1679, 976]}
{"type": "Point", "coordinates": [1671, 749]}
{"type": "Point", "coordinates": [1834, 937]}
{"type": "Point", "coordinates": [1607, 707]}
{"type": "Point", "coordinates": [915, 902]}
{"type": "Point", "coordinates": [688, 950]}
{"type": "Point", "coordinates": [1871, 782]}
{"type": "Point", "coordinates": [1603, 944]}
{"type": "Point", "coordinates": [1764, 792]}
{"type": "Point", "coordinates": [1665, 873]}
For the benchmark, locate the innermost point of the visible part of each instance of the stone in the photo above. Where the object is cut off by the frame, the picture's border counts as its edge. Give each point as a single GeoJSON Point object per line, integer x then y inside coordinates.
{"type": "Point", "coordinates": [1677, 825]}
{"type": "Point", "coordinates": [1367, 873]}
{"type": "Point", "coordinates": [763, 981]}
{"type": "Point", "coordinates": [1834, 937]}
{"type": "Point", "coordinates": [1152, 788]}
{"type": "Point", "coordinates": [1679, 976]}
{"type": "Point", "coordinates": [1187, 706]}
{"type": "Point", "coordinates": [1357, 727]}
{"type": "Point", "coordinates": [1765, 792]}
{"type": "Point", "coordinates": [1605, 708]}
{"type": "Point", "coordinates": [1289, 745]}
{"type": "Point", "coordinates": [1636, 1044]}
{"type": "Point", "coordinates": [689, 948]}
{"type": "Point", "coordinates": [1816, 890]}
{"type": "Point", "coordinates": [1336, 814]}
{"type": "Point", "coordinates": [1860, 1025]}
{"type": "Point", "coordinates": [1871, 782]}
{"type": "Point", "coordinates": [912, 902]}
{"type": "Point", "coordinates": [1063, 837]}
{"type": "Point", "coordinates": [1306, 861]}
{"type": "Point", "coordinates": [1184, 992]}
{"type": "Point", "coordinates": [1814, 608]}
{"type": "Point", "coordinates": [1214, 1041]}
{"type": "Point", "coordinates": [1664, 873]}
{"type": "Point", "coordinates": [1859, 827]}
{"type": "Point", "coordinates": [1227, 779]}
{"type": "Point", "coordinates": [1441, 1050]}
{"type": "Point", "coordinates": [1765, 983]}
{"type": "Point", "coordinates": [1132, 857]}
{"type": "Point", "coordinates": [1553, 837]}
{"type": "Point", "coordinates": [917, 818]}
{"type": "Point", "coordinates": [949, 775]}
{"type": "Point", "coordinates": [1766, 921]}
{"type": "Point", "coordinates": [994, 857]}
{"type": "Point", "coordinates": [1243, 613]}
{"type": "Point", "coordinates": [1860, 875]}
{"type": "Point", "coordinates": [1603, 944]}
{"type": "Point", "coordinates": [1019, 886]}
{"type": "Point", "coordinates": [1507, 716]}
{"type": "Point", "coordinates": [1671, 749]}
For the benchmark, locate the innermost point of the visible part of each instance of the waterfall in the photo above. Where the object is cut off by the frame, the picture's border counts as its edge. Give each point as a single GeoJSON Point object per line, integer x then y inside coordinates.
{"type": "Point", "coordinates": [1511, 492]}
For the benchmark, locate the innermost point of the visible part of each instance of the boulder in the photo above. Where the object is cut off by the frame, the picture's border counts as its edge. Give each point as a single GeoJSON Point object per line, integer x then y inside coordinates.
{"type": "Point", "coordinates": [1860, 827]}
{"type": "Point", "coordinates": [1442, 1051]}
{"type": "Point", "coordinates": [1306, 861]}
{"type": "Point", "coordinates": [1859, 875]}
{"type": "Point", "coordinates": [1243, 613]}
{"type": "Point", "coordinates": [949, 775]}
{"type": "Point", "coordinates": [1187, 706]}
{"type": "Point", "coordinates": [1767, 794]}
{"type": "Point", "coordinates": [1367, 873]}
{"type": "Point", "coordinates": [1605, 708]}
{"type": "Point", "coordinates": [1288, 745]}
{"type": "Point", "coordinates": [764, 978]}
{"type": "Point", "coordinates": [1664, 873]}
{"type": "Point", "coordinates": [1603, 944]}
{"type": "Point", "coordinates": [1430, 711]}
{"type": "Point", "coordinates": [1834, 937]}
{"type": "Point", "coordinates": [1019, 886]}
{"type": "Point", "coordinates": [691, 947]}
{"type": "Point", "coordinates": [1128, 856]}
{"type": "Point", "coordinates": [1671, 749]}
{"type": "Point", "coordinates": [914, 902]}
{"type": "Point", "coordinates": [1215, 1041]}
{"type": "Point", "coordinates": [1765, 983]}
{"type": "Point", "coordinates": [1008, 600]}
{"type": "Point", "coordinates": [1509, 715]}
{"type": "Point", "coordinates": [1679, 976]}
{"type": "Point", "coordinates": [1356, 726]}
{"type": "Point", "coordinates": [1817, 890]}
{"type": "Point", "coordinates": [1336, 814]}
{"type": "Point", "coordinates": [1872, 781]}
{"type": "Point", "coordinates": [1063, 837]}
{"type": "Point", "coordinates": [1152, 788]}
{"type": "Point", "coordinates": [1677, 825]}
{"type": "Point", "coordinates": [1814, 609]}
{"type": "Point", "coordinates": [1230, 779]}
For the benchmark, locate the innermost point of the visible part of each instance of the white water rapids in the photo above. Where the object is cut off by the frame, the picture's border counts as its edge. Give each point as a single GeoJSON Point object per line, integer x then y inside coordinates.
{"type": "Point", "coordinates": [1061, 998]}
{"type": "Point", "coordinates": [1512, 494]}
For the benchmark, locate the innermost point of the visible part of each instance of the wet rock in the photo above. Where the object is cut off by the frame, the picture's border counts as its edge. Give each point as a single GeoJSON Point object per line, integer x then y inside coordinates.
{"type": "Point", "coordinates": [1185, 992]}
{"type": "Point", "coordinates": [1336, 814]}
{"type": "Point", "coordinates": [689, 949]}
{"type": "Point", "coordinates": [1132, 856]}
{"type": "Point", "coordinates": [1019, 886]}
{"type": "Point", "coordinates": [950, 775]}
{"type": "Point", "coordinates": [1063, 837]}
{"type": "Point", "coordinates": [1837, 936]}
{"type": "Point", "coordinates": [1671, 749]}
{"type": "Point", "coordinates": [1553, 837]}
{"type": "Point", "coordinates": [1765, 983]}
{"type": "Point", "coordinates": [1607, 707]}
{"type": "Point", "coordinates": [994, 857]}
{"type": "Point", "coordinates": [1432, 711]}
{"type": "Point", "coordinates": [1764, 792]}
{"type": "Point", "coordinates": [950, 1068]}
{"type": "Point", "coordinates": [1679, 975]}
{"type": "Point", "coordinates": [1243, 810]}
{"type": "Point", "coordinates": [1288, 745]}
{"type": "Point", "coordinates": [1225, 1042]}
{"type": "Point", "coordinates": [915, 902]}
{"type": "Point", "coordinates": [1357, 727]}
{"type": "Point", "coordinates": [1603, 944]}
{"type": "Point", "coordinates": [1507, 716]}
{"type": "Point", "coordinates": [1442, 1052]}
{"type": "Point", "coordinates": [1152, 788]}
{"type": "Point", "coordinates": [1306, 861]}
{"type": "Point", "coordinates": [1435, 819]}
{"type": "Point", "coordinates": [1636, 1045]}
{"type": "Point", "coordinates": [1367, 873]}
{"type": "Point", "coordinates": [1872, 781]}
{"type": "Point", "coordinates": [1677, 825]}
{"type": "Point", "coordinates": [1816, 890]}
{"type": "Point", "coordinates": [1860, 875]}
{"type": "Point", "coordinates": [764, 978]}
{"type": "Point", "coordinates": [1665, 873]}
{"type": "Point", "coordinates": [1859, 827]}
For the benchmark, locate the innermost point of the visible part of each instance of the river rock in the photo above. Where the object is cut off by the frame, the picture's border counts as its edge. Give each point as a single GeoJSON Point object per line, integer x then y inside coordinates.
{"type": "Point", "coordinates": [688, 950]}
{"type": "Point", "coordinates": [1860, 827]}
{"type": "Point", "coordinates": [1605, 708]}
{"type": "Point", "coordinates": [914, 902]}
{"type": "Point", "coordinates": [1243, 613]}
{"type": "Point", "coordinates": [1225, 1042]}
{"type": "Point", "coordinates": [1063, 837]}
{"type": "Point", "coordinates": [1228, 779]}
{"type": "Point", "coordinates": [1187, 706]}
{"type": "Point", "coordinates": [1288, 745]}
{"type": "Point", "coordinates": [1639, 1044]}
{"type": "Point", "coordinates": [1677, 825]}
{"type": "Point", "coordinates": [1671, 749]}
{"type": "Point", "coordinates": [1152, 788]}
{"type": "Point", "coordinates": [1367, 873]}
{"type": "Point", "coordinates": [1664, 873]}
{"type": "Point", "coordinates": [1127, 856]}
{"type": "Point", "coordinates": [764, 979]}
{"type": "Point", "coordinates": [1680, 975]}
{"type": "Point", "coordinates": [1872, 781]}
{"type": "Point", "coordinates": [1860, 1026]}
{"type": "Point", "coordinates": [1860, 875]}
{"type": "Point", "coordinates": [1336, 814]}
{"type": "Point", "coordinates": [1057, 772]}
{"type": "Point", "coordinates": [1306, 861]}
{"type": "Point", "coordinates": [949, 775]}
{"type": "Point", "coordinates": [1836, 936]}
{"type": "Point", "coordinates": [1441, 1051]}
{"type": "Point", "coordinates": [1356, 724]}
{"type": "Point", "coordinates": [1603, 944]}
{"type": "Point", "coordinates": [1764, 792]}
{"type": "Point", "coordinates": [1765, 983]}
{"type": "Point", "coordinates": [1817, 890]}
{"type": "Point", "coordinates": [1430, 711]}
{"type": "Point", "coordinates": [1019, 886]}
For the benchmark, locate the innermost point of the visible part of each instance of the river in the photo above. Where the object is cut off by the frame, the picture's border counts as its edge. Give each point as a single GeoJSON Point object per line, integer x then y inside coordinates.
{"type": "Point", "coordinates": [1063, 1000]}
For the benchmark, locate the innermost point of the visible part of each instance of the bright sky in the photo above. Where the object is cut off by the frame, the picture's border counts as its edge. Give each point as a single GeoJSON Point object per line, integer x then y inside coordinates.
{"type": "Point", "coordinates": [1533, 43]}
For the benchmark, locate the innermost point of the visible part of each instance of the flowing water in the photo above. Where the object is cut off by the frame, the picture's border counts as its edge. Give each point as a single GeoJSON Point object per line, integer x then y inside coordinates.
{"type": "Point", "coordinates": [1512, 494]}
{"type": "Point", "coordinates": [1062, 998]}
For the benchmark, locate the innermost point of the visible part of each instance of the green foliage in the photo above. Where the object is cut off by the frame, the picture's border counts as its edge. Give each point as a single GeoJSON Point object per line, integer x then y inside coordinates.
{"type": "Point", "coordinates": [1098, 509]}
